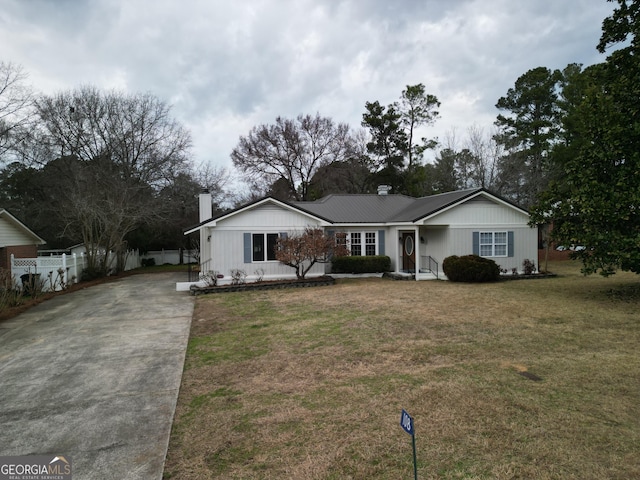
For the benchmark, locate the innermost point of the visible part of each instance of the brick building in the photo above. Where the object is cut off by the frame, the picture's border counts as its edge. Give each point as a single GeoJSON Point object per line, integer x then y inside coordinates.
{"type": "Point", "coordinates": [17, 239]}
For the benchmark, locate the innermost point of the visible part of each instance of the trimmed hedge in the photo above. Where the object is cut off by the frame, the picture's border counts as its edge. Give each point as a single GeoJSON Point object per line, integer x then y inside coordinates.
{"type": "Point", "coordinates": [470, 268]}
{"type": "Point", "coordinates": [358, 264]}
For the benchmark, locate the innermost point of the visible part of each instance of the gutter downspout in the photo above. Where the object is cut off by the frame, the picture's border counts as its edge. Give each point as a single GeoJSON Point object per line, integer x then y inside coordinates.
{"type": "Point", "coordinates": [417, 250]}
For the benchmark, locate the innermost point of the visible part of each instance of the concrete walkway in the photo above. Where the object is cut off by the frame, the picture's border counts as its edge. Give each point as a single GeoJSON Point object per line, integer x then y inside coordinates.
{"type": "Point", "coordinates": [94, 375]}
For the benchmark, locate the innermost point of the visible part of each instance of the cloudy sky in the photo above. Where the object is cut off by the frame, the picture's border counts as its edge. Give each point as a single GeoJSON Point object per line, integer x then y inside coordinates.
{"type": "Point", "coordinates": [228, 66]}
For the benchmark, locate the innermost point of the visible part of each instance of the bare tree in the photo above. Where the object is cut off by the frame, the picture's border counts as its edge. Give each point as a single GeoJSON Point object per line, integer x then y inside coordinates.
{"type": "Point", "coordinates": [135, 131]}
{"type": "Point", "coordinates": [97, 204]}
{"type": "Point", "coordinates": [120, 150]}
{"type": "Point", "coordinates": [475, 161]}
{"type": "Point", "coordinates": [292, 150]}
{"type": "Point", "coordinates": [485, 154]}
{"type": "Point", "coordinates": [15, 106]}
{"type": "Point", "coordinates": [218, 181]}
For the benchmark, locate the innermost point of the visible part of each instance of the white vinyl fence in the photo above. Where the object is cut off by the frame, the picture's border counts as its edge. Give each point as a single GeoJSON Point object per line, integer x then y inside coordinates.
{"type": "Point", "coordinates": [56, 272]}
{"type": "Point", "coordinates": [172, 257]}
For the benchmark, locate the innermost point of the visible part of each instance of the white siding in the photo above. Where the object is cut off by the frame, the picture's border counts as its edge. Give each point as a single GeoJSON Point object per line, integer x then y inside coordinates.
{"type": "Point", "coordinates": [451, 232]}
{"type": "Point", "coordinates": [12, 236]}
{"type": "Point", "coordinates": [226, 244]}
{"type": "Point", "coordinates": [479, 212]}
{"type": "Point", "coordinates": [447, 233]}
{"type": "Point", "coordinates": [525, 246]}
{"type": "Point", "coordinates": [228, 253]}
{"type": "Point", "coordinates": [270, 217]}
{"type": "Point", "coordinates": [436, 243]}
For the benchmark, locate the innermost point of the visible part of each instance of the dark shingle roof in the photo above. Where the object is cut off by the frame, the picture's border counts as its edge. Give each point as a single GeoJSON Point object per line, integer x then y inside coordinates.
{"type": "Point", "coordinates": [380, 208]}
{"type": "Point", "coordinates": [426, 206]}
{"type": "Point", "coordinates": [357, 208]}
{"type": "Point", "coordinates": [351, 209]}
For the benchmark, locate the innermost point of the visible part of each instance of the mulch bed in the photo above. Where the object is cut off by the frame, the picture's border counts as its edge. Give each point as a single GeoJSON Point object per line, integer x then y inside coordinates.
{"type": "Point", "coordinates": [527, 277]}
{"type": "Point", "coordinates": [266, 285]}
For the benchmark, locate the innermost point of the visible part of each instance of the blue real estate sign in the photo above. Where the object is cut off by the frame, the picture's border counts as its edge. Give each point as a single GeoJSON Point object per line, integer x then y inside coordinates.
{"type": "Point", "coordinates": [406, 422]}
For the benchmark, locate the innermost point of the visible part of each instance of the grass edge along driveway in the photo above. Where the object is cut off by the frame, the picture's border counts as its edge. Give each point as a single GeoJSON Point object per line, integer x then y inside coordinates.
{"type": "Point", "coordinates": [524, 379]}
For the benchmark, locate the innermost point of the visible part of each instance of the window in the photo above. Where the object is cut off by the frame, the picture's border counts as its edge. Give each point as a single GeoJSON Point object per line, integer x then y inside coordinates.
{"type": "Point", "coordinates": [264, 246]}
{"type": "Point", "coordinates": [355, 244]}
{"type": "Point", "coordinates": [272, 240]}
{"type": "Point", "coordinates": [363, 246]}
{"type": "Point", "coordinates": [493, 244]}
{"type": "Point", "coordinates": [370, 243]}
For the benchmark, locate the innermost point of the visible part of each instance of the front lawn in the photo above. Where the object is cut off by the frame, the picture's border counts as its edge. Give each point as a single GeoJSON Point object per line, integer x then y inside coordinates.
{"type": "Point", "coordinates": [529, 379]}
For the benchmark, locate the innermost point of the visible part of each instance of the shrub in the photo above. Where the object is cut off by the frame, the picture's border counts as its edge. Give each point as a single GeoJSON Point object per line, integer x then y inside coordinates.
{"type": "Point", "coordinates": [358, 264]}
{"type": "Point", "coordinates": [210, 278]}
{"type": "Point", "coordinates": [148, 262]}
{"type": "Point", "coordinates": [528, 267]}
{"type": "Point", "coordinates": [470, 268]}
{"type": "Point", "coordinates": [91, 273]}
{"type": "Point", "coordinates": [238, 277]}
{"type": "Point", "coordinates": [59, 280]}
{"type": "Point", "coordinates": [10, 293]}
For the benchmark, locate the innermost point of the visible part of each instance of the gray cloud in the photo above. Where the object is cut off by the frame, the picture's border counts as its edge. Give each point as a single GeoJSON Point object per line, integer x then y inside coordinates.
{"type": "Point", "coordinates": [227, 66]}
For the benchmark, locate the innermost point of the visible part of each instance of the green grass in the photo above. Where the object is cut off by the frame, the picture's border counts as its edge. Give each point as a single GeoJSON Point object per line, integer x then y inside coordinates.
{"type": "Point", "coordinates": [310, 383]}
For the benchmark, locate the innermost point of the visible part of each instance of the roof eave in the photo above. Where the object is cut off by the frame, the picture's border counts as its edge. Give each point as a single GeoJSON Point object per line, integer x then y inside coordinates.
{"type": "Point", "coordinates": [17, 223]}
{"type": "Point", "coordinates": [470, 195]}
{"type": "Point", "coordinates": [214, 220]}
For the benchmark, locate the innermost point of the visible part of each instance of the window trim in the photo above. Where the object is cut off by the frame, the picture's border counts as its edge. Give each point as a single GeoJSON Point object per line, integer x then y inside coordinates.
{"type": "Point", "coordinates": [265, 246]}
{"type": "Point", "coordinates": [493, 243]}
{"type": "Point", "coordinates": [364, 235]}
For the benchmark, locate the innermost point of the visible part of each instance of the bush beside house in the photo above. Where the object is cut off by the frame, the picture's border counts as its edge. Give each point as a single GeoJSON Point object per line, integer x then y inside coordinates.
{"type": "Point", "coordinates": [470, 268]}
{"type": "Point", "coordinates": [359, 264]}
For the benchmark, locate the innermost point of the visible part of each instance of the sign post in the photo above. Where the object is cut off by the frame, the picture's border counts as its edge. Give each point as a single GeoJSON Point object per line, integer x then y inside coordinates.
{"type": "Point", "coordinates": [406, 422]}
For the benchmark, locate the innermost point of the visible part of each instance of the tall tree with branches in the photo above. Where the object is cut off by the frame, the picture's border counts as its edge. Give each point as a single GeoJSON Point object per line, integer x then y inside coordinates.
{"type": "Point", "coordinates": [529, 129]}
{"type": "Point", "coordinates": [15, 106]}
{"type": "Point", "coordinates": [292, 150]}
{"type": "Point", "coordinates": [417, 108]}
{"type": "Point", "coordinates": [115, 152]}
{"type": "Point", "coordinates": [393, 145]}
{"type": "Point", "coordinates": [595, 201]}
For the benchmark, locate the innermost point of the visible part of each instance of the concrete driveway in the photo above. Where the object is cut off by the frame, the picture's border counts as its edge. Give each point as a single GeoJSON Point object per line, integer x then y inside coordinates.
{"type": "Point", "coordinates": [94, 375]}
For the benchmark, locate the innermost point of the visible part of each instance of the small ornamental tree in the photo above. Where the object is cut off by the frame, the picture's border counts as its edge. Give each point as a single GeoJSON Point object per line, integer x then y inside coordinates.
{"type": "Point", "coordinates": [303, 250]}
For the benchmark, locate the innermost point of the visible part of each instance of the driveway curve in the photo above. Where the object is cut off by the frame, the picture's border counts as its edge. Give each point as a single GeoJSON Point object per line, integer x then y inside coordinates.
{"type": "Point", "coordinates": [94, 375]}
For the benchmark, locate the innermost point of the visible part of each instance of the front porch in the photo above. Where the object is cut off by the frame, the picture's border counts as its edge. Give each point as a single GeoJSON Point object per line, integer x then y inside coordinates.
{"type": "Point", "coordinates": [412, 257]}
{"type": "Point", "coordinates": [428, 269]}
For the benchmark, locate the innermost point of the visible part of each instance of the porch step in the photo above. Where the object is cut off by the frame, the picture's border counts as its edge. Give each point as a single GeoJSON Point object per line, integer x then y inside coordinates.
{"type": "Point", "coordinates": [427, 276]}
{"type": "Point", "coordinates": [399, 276]}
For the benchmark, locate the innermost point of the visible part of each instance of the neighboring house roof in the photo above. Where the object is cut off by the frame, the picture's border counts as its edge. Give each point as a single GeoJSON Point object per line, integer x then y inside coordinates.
{"type": "Point", "coordinates": [369, 208]}
{"type": "Point", "coordinates": [6, 239]}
